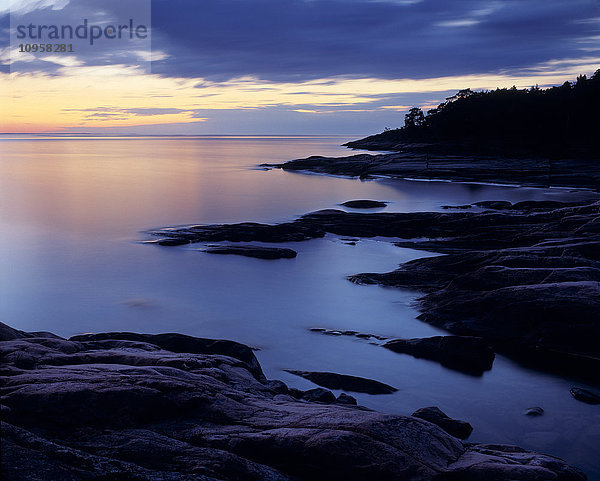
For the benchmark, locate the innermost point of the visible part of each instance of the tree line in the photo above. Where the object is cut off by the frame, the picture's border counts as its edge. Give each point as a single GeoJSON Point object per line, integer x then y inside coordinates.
{"type": "Point", "coordinates": [556, 121]}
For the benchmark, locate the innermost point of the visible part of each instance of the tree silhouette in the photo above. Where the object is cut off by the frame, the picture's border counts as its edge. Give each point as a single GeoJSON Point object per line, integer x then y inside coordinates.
{"type": "Point", "coordinates": [554, 122]}
{"type": "Point", "coordinates": [414, 118]}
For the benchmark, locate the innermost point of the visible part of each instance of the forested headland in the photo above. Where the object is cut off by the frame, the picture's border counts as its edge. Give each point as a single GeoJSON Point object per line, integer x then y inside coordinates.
{"type": "Point", "coordinates": [555, 122]}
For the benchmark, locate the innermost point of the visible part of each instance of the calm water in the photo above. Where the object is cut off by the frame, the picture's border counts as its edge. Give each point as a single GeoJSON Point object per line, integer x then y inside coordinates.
{"type": "Point", "coordinates": [73, 209]}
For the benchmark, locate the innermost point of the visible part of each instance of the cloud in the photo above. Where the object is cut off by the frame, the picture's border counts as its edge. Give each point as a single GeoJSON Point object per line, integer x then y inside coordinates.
{"type": "Point", "coordinates": [296, 40]}
{"type": "Point", "coordinates": [299, 40]}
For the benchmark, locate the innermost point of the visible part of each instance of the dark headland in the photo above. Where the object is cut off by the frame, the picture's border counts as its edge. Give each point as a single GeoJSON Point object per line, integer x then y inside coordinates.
{"type": "Point", "coordinates": [539, 137]}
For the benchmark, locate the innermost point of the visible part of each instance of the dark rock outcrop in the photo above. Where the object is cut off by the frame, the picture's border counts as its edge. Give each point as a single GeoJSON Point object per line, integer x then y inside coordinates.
{"type": "Point", "coordinates": [471, 355]}
{"type": "Point", "coordinates": [258, 252]}
{"type": "Point", "coordinates": [343, 398]}
{"type": "Point", "coordinates": [364, 204]}
{"type": "Point", "coordinates": [433, 414]}
{"type": "Point", "coordinates": [585, 396]}
{"type": "Point", "coordinates": [128, 407]}
{"type": "Point", "coordinates": [534, 411]}
{"type": "Point", "coordinates": [344, 382]}
{"type": "Point", "coordinates": [417, 161]}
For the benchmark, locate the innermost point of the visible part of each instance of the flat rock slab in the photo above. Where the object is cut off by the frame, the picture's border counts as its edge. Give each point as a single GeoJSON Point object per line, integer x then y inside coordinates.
{"type": "Point", "coordinates": [344, 382]}
{"type": "Point", "coordinates": [534, 411]}
{"type": "Point", "coordinates": [585, 396]}
{"type": "Point", "coordinates": [416, 163]}
{"type": "Point", "coordinates": [258, 252]}
{"type": "Point", "coordinates": [433, 414]}
{"type": "Point", "coordinates": [471, 355]}
{"type": "Point", "coordinates": [365, 204]}
{"type": "Point", "coordinates": [127, 407]}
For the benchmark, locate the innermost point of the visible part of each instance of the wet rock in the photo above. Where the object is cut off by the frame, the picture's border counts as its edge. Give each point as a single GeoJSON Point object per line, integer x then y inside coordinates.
{"type": "Point", "coordinates": [295, 393]}
{"type": "Point", "coordinates": [539, 204]}
{"type": "Point", "coordinates": [344, 382]}
{"type": "Point", "coordinates": [471, 355]}
{"type": "Point", "coordinates": [461, 207]}
{"type": "Point", "coordinates": [171, 242]}
{"type": "Point", "coordinates": [534, 411]}
{"type": "Point", "coordinates": [433, 414]}
{"type": "Point", "coordinates": [318, 395]}
{"type": "Point", "coordinates": [126, 407]}
{"type": "Point", "coordinates": [278, 387]}
{"type": "Point", "coordinates": [364, 204]}
{"type": "Point", "coordinates": [344, 398]}
{"type": "Point", "coordinates": [494, 204]}
{"type": "Point", "coordinates": [258, 252]}
{"type": "Point", "coordinates": [359, 335]}
{"type": "Point", "coordinates": [585, 396]}
{"type": "Point", "coordinates": [424, 161]}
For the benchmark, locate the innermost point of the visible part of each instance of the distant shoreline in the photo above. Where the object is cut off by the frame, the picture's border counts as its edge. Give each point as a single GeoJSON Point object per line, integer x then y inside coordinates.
{"type": "Point", "coordinates": [415, 163]}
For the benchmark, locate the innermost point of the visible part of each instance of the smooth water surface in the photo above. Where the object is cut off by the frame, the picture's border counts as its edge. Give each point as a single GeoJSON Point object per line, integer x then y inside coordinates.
{"type": "Point", "coordinates": [72, 211]}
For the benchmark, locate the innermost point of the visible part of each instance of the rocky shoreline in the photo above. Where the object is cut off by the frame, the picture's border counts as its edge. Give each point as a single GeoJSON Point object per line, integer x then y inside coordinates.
{"type": "Point", "coordinates": [524, 277]}
{"type": "Point", "coordinates": [422, 161]}
{"type": "Point", "coordinates": [124, 406]}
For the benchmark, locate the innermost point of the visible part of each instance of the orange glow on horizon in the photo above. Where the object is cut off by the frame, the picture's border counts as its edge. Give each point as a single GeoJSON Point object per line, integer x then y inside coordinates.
{"type": "Point", "coordinates": [120, 96]}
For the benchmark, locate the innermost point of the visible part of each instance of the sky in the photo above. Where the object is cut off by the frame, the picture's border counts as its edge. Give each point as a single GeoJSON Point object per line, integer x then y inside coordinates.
{"type": "Point", "coordinates": [276, 66]}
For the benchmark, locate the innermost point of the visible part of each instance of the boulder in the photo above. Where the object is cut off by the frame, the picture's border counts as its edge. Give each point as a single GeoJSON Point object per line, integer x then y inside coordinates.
{"type": "Point", "coordinates": [534, 411]}
{"type": "Point", "coordinates": [433, 414]}
{"type": "Point", "coordinates": [471, 355]}
{"type": "Point", "coordinates": [318, 395]}
{"type": "Point", "coordinates": [344, 382]}
{"type": "Point", "coordinates": [343, 398]}
{"type": "Point", "coordinates": [585, 396]}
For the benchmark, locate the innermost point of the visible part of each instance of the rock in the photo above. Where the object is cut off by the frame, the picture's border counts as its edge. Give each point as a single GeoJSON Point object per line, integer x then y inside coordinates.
{"type": "Point", "coordinates": [359, 335]}
{"type": "Point", "coordinates": [534, 411]}
{"type": "Point", "coordinates": [471, 355]}
{"type": "Point", "coordinates": [433, 414]}
{"type": "Point", "coordinates": [364, 204]}
{"type": "Point", "coordinates": [441, 163]}
{"type": "Point", "coordinates": [295, 393]}
{"type": "Point", "coordinates": [461, 207]}
{"type": "Point", "coordinates": [343, 398]}
{"type": "Point", "coordinates": [178, 343]}
{"type": "Point", "coordinates": [278, 387]}
{"type": "Point", "coordinates": [494, 204]}
{"type": "Point", "coordinates": [344, 382]}
{"type": "Point", "coordinates": [539, 204]}
{"type": "Point", "coordinates": [258, 252]}
{"type": "Point", "coordinates": [585, 396]}
{"type": "Point", "coordinates": [171, 242]}
{"type": "Point", "coordinates": [318, 395]}
{"type": "Point", "coordinates": [127, 407]}
{"type": "Point", "coordinates": [8, 333]}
